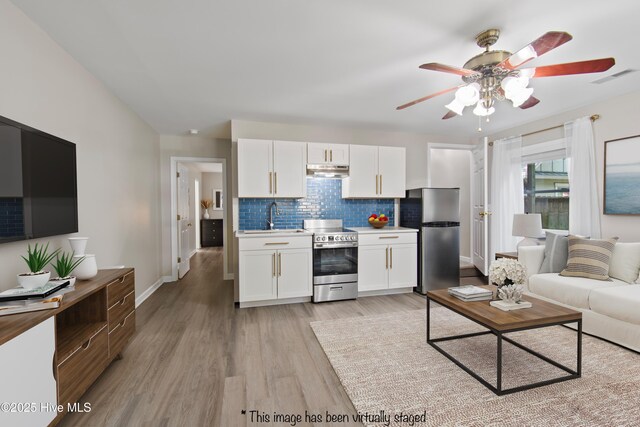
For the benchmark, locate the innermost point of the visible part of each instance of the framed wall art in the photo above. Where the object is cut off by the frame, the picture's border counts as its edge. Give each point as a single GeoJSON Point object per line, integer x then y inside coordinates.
{"type": "Point", "coordinates": [622, 176]}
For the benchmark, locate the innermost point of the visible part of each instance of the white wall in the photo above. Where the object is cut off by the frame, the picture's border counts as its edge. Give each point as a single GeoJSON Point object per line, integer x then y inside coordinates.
{"type": "Point", "coordinates": [618, 119]}
{"type": "Point", "coordinates": [188, 146]}
{"type": "Point", "coordinates": [450, 169]}
{"type": "Point", "coordinates": [212, 181]}
{"type": "Point", "coordinates": [42, 86]}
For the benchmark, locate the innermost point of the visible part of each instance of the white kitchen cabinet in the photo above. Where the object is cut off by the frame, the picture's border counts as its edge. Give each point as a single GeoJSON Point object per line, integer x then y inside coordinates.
{"type": "Point", "coordinates": [327, 154]}
{"type": "Point", "coordinates": [271, 168]}
{"type": "Point", "coordinates": [275, 268]}
{"type": "Point", "coordinates": [258, 273]}
{"type": "Point", "coordinates": [387, 261]}
{"type": "Point", "coordinates": [28, 376]}
{"type": "Point", "coordinates": [375, 172]}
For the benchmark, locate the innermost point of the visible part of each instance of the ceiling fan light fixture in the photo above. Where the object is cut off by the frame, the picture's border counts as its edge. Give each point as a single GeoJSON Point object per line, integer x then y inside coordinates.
{"type": "Point", "coordinates": [519, 97]}
{"type": "Point", "coordinates": [455, 106]}
{"type": "Point", "coordinates": [468, 95]}
{"type": "Point", "coordinates": [513, 85]}
{"type": "Point", "coordinates": [483, 111]}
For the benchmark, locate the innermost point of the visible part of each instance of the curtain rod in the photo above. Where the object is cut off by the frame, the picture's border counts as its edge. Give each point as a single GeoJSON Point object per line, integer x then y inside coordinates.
{"type": "Point", "coordinates": [593, 119]}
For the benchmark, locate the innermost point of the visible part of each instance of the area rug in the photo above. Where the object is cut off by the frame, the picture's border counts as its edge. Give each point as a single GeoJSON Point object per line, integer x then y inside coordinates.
{"type": "Point", "coordinates": [393, 377]}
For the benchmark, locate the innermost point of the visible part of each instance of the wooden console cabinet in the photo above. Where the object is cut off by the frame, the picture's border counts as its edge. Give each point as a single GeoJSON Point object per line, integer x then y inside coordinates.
{"type": "Point", "coordinates": [92, 326]}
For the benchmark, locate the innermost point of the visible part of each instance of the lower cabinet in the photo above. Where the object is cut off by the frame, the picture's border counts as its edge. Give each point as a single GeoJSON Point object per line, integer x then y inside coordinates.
{"type": "Point", "coordinates": [384, 265]}
{"type": "Point", "coordinates": [275, 274]}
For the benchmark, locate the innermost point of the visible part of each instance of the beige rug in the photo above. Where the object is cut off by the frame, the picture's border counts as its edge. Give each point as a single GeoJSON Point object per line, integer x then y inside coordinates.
{"type": "Point", "coordinates": [384, 364]}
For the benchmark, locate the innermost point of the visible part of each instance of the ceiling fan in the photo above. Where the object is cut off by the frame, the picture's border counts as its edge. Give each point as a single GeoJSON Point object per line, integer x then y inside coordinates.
{"type": "Point", "coordinates": [495, 75]}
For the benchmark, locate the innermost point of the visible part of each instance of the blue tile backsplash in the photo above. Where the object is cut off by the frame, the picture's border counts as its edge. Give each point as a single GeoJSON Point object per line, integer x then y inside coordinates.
{"type": "Point", "coordinates": [11, 217]}
{"type": "Point", "coordinates": [324, 201]}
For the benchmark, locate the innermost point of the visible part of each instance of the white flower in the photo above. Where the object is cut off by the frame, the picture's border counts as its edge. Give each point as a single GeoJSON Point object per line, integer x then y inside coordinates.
{"type": "Point", "coordinates": [506, 270]}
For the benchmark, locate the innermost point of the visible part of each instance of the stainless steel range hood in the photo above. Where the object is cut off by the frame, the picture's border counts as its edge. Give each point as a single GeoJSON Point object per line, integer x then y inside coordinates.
{"type": "Point", "coordinates": [327, 171]}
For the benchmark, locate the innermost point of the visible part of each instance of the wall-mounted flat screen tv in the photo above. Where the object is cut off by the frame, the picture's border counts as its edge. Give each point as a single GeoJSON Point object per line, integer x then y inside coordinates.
{"type": "Point", "coordinates": [38, 183]}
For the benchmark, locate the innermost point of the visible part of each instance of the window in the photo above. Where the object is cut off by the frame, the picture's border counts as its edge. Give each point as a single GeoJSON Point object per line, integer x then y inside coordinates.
{"type": "Point", "coordinates": [546, 191]}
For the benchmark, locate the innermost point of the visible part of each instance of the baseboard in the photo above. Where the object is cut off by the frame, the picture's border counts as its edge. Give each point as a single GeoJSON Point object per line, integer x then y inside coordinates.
{"type": "Point", "coordinates": [465, 259]}
{"type": "Point", "coordinates": [151, 289]}
{"type": "Point", "coordinates": [192, 253]}
{"type": "Point", "coordinates": [228, 276]}
{"type": "Point", "coordinates": [385, 292]}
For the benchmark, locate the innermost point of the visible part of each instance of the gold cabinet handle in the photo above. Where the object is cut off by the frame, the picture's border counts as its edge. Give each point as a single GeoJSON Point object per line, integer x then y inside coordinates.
{"type": "Point", "coordinates": [388, 237]}
{"type": "Point", "coordinates": [483, 214]}
{"type": "Point", "coordinates": [331, 155]}
{"type": "Point", "coordinates": [276, 243]}
{"type": "Point", "coordinates": [325, 155]}
{"type": "Point", "coordinates": [270, 183]}
{"type": "Point", "coordinates": [273, 264]}
{"type": "Point", "coordinates": [391, 258]}
{"type": "Point", "coordinates": [275, 183]}
{"type": "Point", "coordinates": [279, 264]}
{"type": "Point", "coordinates": [380, 183]}
{"type": "Point", "coordinates": [377, 184]}
{"type": "Point", "coordinates": [386, 258]}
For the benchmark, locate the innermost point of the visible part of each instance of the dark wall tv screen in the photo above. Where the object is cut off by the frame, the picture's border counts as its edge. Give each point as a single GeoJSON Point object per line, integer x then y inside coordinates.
{"type": "Point", "coordinates": [38, 183]}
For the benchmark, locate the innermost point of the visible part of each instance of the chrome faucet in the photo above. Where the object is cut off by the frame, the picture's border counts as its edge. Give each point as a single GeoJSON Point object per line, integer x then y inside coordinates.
{"type": "Point", "coordinates": [270, 220]}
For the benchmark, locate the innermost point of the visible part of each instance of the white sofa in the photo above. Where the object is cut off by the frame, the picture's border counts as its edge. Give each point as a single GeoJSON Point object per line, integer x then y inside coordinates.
{"type": "Point", "coordinates": [610, 310]}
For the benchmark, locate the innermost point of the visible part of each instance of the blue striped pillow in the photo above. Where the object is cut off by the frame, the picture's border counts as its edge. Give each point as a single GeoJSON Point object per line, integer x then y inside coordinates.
{"type": "Point", "coordinates": [589, 258]}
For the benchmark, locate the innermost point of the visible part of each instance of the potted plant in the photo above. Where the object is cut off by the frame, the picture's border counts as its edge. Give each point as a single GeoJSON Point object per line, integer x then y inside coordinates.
{"type": "Point", "coordinates": [37, 259]}
{"type": "Point", "coordinates": [206, 204]}
{"type": "Point", "coordinates": [64, 264]}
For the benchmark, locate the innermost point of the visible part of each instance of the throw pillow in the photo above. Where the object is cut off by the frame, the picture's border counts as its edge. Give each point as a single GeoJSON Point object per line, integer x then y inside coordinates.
{"type": "Point", "coordinates": [556, 252]}
{"type": "Point", "coordinates": [625, 262]}
{"type": "Point", "coordinates": [589, 258]}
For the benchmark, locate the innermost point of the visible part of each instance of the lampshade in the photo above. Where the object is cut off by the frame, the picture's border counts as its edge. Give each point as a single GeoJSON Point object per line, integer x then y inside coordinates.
{"type": "Point", "coordinates": [481, 111]}
{"type": "Point", "coordinates": [468, 95]}
{"type": "Point", "coordinates": [527, 225]}
{"type": "Point", "coordinates": [455, 106]}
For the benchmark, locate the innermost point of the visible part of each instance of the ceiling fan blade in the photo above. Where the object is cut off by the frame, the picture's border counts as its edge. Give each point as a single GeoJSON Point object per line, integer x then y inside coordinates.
{"type": "Point", "coordinates": [538, 47]}
{"type": "Point", "coordinates": [449, 115]}
{"type": "Point", "coordinates": [424, 98]}
{"type": "Point", "coordinates": [582, 67]}
{"type": "Point", "coordinates": [531, 102]}
{"type": "Point", "coordinates": [434, 66]}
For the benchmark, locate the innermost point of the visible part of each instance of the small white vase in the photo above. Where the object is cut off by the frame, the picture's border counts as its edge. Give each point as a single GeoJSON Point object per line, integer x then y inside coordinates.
{"type": "Point", "coordinates": [78, 245]}
{"type": "Point", "coordinates": [87, 269]}
{"type": "Point", "coordinates": [61, 280]}
{"type": "Point", "coordinates": [33, 281]}
{"type": "Point", "coordinates": [206, 214]}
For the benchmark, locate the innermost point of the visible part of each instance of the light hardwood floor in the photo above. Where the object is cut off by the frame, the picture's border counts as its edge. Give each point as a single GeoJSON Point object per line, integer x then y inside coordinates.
{"type": "Point", "coordinates": [196, 360]}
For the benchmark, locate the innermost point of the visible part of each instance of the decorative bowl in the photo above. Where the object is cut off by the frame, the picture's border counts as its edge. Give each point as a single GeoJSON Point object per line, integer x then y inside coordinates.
{"type": "Point", "coordinates": [378, 224]}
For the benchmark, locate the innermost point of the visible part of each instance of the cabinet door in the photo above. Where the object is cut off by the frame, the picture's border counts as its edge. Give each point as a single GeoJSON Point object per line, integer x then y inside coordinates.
{"type": "Point", "coordinates": [363, 172]}
{"type": "Point", "coordinates": [295, 273]}
{"type": "Point", "coordinates": [289, 169]}
{"type": "Point", "coordinates": [338, 154]}
{"type": "Point", "coordinates": [255, 168]}
{"type": "Point", "coordinates": [317, 154]}
{"type": "Point", "coordinates": [28, 376]}
{"type": "Point", "coordinates": [372, 268]}
{"type": "Point", "coordinates": [392, 169]}
{"type": "Point", "coordinates": [257, 271]}
{"type": "Point", "coordinates": [403, 266]}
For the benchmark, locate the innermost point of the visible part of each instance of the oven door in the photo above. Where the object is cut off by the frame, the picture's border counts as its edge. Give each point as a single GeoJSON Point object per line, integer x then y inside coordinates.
{"type": "Point", "coordinates": [335, 265]}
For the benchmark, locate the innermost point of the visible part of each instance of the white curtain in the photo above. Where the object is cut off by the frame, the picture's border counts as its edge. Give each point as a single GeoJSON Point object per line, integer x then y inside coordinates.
{"type": "Point", "coordinates": [507, 193]}
{"type": "Point", "coordinates": [584, 213]}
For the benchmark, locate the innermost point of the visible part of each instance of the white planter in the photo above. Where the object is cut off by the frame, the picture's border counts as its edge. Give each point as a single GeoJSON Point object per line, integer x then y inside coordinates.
{"type": "Point", "coordinates": [61, 280]}
{"type": "Point", "coordinates": [33, 281]}
{"type": "Point", "coordinates": [78, 245]}
{"type": "Point", "coordinates": [87, 269]}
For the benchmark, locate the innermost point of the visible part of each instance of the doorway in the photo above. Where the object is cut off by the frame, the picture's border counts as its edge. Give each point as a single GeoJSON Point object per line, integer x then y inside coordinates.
{"type": "Point", "coordinates": [198, 215]}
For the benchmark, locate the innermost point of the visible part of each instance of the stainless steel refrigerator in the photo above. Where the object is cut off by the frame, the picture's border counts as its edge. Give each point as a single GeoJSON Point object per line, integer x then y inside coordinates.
{"type": "Point", "coordinates": [436, 213]}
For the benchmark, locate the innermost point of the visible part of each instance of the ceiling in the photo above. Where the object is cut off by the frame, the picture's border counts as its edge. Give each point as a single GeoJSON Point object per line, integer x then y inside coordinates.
{"type": "Point", "coordinates": [199, 63]}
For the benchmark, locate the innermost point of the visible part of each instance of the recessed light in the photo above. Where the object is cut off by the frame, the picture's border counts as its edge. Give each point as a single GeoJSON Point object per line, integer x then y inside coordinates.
{"type": "Point", "coordinates": [193, 131]}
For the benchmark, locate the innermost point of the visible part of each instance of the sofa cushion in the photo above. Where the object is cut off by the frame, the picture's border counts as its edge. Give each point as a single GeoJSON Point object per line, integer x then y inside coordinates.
{"type": "Point", "coordinates": [573, 291]}
{"type": "Point", "coordinates": [556, 253]}
{"type": "Point", "coordinates": [625, 262]}
{"type": "Point", "coordinates": [619, 302]}
{"type": "Point", "coordinates": [589, 258]}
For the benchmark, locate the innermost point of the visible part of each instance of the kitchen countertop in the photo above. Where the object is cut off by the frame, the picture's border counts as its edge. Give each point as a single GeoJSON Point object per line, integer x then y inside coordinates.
{"type": "Point", "coordinates": [242, 234]}
{"type": "Point", "coordinates": [387, 229]}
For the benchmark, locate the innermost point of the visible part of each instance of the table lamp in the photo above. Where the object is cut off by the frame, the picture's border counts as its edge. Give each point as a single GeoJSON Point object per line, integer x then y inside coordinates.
{"type": "Point", "coordinates": [528, 226]}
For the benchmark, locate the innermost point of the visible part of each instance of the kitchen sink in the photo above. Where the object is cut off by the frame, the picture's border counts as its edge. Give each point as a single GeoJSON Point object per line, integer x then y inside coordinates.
{"type": "Point", "coordinates": [281, 231]}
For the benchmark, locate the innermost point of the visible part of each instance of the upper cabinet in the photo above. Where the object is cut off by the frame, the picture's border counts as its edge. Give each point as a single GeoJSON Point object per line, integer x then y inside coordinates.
{"type": "Point", "coordinates": [327, 154]}
{"type": "Point", "coordinates": [375, 172]}
{"type": "Point", "coordinates": [271, 168]}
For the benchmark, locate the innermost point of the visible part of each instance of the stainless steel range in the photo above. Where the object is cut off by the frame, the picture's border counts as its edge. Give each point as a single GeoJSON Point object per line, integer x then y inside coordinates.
{"type": "Point", "coordinates": [335, 260]}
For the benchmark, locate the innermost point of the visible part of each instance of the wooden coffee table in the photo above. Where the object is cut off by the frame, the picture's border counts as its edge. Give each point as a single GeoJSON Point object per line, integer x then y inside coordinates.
{"type": "Point", "coordinates": [499, 323]}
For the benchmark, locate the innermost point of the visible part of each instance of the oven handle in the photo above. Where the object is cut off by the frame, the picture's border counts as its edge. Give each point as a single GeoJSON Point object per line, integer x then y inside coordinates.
{"type": "Point", "coordinates": [335, 245]}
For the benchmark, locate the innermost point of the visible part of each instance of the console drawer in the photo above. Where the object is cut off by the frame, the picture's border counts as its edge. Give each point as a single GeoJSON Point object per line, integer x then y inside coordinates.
{"type": "Point", "coordinates": [121, 333]}
{"type": "Point", "coordinates": [119, 288]}
{"type": "Point", "coordinates": [120, 310]}
{"type": "Point", "coordinates": [82, 368]}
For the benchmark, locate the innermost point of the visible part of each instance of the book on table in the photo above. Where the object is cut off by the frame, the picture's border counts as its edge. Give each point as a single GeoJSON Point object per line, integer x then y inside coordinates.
{"type": "Point", "coordinates": [19, 294]}
{"type": "Point", "coordinates": [471, 293]}
{"type": "Point", "coordinates": [25, 306]}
